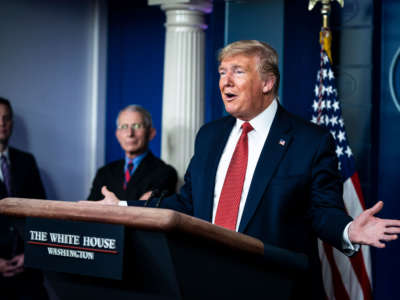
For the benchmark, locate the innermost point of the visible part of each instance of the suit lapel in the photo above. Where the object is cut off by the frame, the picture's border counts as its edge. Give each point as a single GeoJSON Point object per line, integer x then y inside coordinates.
{"type": "Point", "coordinates": [216, 147]}
{"type": "Point", "coordinates": [118, 178]}
{"type": "Point", "coordinates": [140, 172]}
{"type": "Point", "coordinates": [275, 147]}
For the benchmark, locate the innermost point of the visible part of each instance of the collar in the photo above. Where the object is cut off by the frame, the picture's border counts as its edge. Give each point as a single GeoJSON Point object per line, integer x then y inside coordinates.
{"type": "Point", "coordinates": [263, 121]}
{"type": "Point", "coordinates": [6, 153]}
{"type": "Point", "coordinates": [137, 160]}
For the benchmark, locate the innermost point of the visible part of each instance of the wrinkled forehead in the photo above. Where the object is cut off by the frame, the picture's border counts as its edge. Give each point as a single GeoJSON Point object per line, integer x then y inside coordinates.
{"type": "Point", "coordinates": [130, 117]}
{"type": "Point", "coordinates": [244, 61]}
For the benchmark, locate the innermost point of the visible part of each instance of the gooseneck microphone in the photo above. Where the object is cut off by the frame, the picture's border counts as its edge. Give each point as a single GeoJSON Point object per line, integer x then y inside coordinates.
{"type": "Point", "coordinates": [154, 193]}
{"type": "Point", "coordinates": [162, 196]}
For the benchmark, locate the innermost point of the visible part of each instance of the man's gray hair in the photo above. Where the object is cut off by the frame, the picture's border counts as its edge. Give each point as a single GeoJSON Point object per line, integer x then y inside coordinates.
{"type": "Point", "coordinates": [148, 123]}
{"type": "Point", "coordinates": [268, 57]}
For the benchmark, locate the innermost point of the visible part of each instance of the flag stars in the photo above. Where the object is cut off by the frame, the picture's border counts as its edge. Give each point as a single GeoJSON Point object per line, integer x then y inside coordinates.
{"type": "Point", "coordinates": [325, 58]}
{"type": "Point", "coordinates": [328, 104]}
{"type": "Point", "coordinates": [348, 151]}
{"type": "Point", "coordinates": [327, 120]}
{"type": "Point", "coordinates": [316, 90]}
{"type": "Point", "coordinates": [341, 122]}
{"type": "Point", "coordinates": [330, 75]}
{"type": "Point", "coordinates": [334, 121]}
{"type": "Point", "coordinates": [314, 119]}
{"type": "Point", "coordinates": [315, 106]}
{"type": "Point", "coordinates": [335, 105]}
{"type": "Point", "coordinates": [329, 90]}
{"type": "Point", "coordinates": [324, 73]}
{"type": "Point", "coordinates": [333, 132]}
{"type": "Point", "coordinates": [339, 151]}
{"type": "Point", "coordinates": [341, 136]}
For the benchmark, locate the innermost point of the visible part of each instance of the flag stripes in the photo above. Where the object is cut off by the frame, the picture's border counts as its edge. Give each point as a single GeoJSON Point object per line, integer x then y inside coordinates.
{"type": "Point", "coordinates": [343, 277]}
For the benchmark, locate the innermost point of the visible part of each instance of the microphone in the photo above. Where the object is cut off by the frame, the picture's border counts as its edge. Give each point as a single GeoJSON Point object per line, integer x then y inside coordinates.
{"type": "Point", "coordinates": [162, 196]}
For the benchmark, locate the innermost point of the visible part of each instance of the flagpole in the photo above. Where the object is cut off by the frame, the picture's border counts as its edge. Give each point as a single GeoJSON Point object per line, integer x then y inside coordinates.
{"type": "Point", "coordinates": [325, 37]}
{"type": "Point", "coordinates": [344, 278]}
{"type": "Point", "coordinates": [325, 10]}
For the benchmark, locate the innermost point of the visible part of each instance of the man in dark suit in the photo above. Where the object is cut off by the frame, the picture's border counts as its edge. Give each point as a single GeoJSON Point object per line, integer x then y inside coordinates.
{"type": "Point", "coordinates": [20, 177]}
{"type": "Point", "coordinates": [140, 171]}
{"type": "Point", "coordinates": [267, 173]}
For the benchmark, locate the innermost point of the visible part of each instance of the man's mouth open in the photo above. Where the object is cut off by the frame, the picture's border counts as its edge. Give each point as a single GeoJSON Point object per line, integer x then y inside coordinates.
{"type": "Point", "coordinates": [230, 96]}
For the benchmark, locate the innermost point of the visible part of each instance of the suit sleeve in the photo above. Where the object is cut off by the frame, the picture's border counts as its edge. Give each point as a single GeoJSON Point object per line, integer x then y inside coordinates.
{"type": "Point", "coordinates": [36, 186]}
{"type": "Point", "coordinates": [329, 218]}
{"type": "Point", "coordinates": [95, 191]}
{"type": "Point", "coordinates": [181, 202]}
{"type": "Point", "coordinates": [167, 181]}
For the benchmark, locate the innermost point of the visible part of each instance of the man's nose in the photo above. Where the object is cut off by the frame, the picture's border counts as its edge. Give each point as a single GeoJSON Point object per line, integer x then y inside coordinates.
{"type": "Point", "coordinates": [227, 79]}
{"type": "Point", "coordinates": [131, 131]}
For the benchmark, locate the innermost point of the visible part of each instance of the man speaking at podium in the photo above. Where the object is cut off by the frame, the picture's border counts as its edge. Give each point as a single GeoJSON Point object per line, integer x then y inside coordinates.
{"type": "Point", "coordinates": [267, 173]}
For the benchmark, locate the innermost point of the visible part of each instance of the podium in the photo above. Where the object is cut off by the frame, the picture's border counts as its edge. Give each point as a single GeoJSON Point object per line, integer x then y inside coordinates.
{"type": "Point", "coordinates": [169, 255]}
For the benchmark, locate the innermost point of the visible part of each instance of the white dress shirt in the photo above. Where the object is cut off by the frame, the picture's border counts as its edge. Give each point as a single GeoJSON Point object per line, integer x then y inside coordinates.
{"type": "Point", "coordinates": [256, 139]}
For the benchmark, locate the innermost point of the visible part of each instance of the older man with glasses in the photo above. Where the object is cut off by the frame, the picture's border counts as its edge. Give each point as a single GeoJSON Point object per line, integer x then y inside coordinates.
{"type": "Point", "coordinates": [140, 171]}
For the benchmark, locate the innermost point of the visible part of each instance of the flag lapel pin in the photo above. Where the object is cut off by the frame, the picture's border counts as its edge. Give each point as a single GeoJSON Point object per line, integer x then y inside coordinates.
{"type": "Point", "coordinates": [282, 142]}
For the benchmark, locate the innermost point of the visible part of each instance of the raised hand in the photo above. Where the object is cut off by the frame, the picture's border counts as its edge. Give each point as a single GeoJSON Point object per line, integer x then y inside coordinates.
{"type": "Point", "coordinates": [367, 229]}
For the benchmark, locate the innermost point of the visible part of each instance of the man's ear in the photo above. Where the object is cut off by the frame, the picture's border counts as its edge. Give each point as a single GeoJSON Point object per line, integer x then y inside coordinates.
{"type": "Point", "coordinates": [152, 133]}
{"type": "Point", "coordinates": [269, 84]}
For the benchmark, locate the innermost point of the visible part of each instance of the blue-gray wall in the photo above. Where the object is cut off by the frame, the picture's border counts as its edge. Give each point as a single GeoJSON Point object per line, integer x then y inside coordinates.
{"type": "Point", "coordinates": [257, 20]}
{"type": "Point", "coordinates": [46, 71]}
{"type": "Point", "coordinates": [387, 261]}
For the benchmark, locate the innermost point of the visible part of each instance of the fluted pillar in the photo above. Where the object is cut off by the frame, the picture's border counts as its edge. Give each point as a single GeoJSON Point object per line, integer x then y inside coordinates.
{"type": "Point", "coordinates": [183, 90]}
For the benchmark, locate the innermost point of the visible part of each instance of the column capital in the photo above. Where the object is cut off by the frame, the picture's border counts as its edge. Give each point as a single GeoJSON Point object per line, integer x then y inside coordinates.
{"type": "Point", "coordinates": [204, 6]}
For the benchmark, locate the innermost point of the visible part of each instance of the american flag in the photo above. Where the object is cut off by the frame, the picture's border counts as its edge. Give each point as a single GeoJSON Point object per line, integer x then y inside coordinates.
{"type": "Point", "coordinates": [344, 277]}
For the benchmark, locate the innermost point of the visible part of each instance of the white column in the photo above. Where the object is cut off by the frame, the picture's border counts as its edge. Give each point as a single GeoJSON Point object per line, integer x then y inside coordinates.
{"type": "Point", "coordinates": [183, 91]}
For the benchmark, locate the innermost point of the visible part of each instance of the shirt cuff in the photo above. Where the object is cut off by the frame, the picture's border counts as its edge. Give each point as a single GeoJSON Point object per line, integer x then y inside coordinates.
{"type": "Point", "coordinates": [348, 247]}
{"type": "Point", "coordinates": [122, 203]}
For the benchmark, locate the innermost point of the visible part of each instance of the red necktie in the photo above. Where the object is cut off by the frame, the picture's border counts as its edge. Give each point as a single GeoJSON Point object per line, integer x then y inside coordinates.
{"type": "Point", "coordinates": [128, 174]}
{"type": "Point", "coordinates": [229, 200]}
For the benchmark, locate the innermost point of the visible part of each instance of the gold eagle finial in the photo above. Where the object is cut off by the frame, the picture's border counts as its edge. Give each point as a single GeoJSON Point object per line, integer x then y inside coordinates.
{"type": "Point", "coordinates": [312, 3]}
{"type": "Point", "coordinates": [325, 9]}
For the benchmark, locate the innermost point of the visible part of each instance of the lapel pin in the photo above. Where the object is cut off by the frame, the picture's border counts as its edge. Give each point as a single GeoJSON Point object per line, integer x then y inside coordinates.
{"type": "Point", "coordinates": [282, 142]}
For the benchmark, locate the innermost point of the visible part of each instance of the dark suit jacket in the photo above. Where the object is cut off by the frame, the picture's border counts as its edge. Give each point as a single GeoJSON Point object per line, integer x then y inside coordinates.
{"type": "Point", "coordinates": [296, 191]}
{"type": "Point", "coordinates": [25, 183]}
{"type": "Point", "coordinates": [152, 173]}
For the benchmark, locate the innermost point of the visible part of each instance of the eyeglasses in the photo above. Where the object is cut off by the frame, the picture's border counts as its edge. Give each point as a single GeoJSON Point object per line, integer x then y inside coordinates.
{"type": "Point", "coordinates": [134, 126]}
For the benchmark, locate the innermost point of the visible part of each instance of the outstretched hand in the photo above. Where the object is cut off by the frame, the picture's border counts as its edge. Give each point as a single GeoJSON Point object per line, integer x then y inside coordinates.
{"type": "Point", "coordinates": [109, 197]}
{"type": "Point", "coordinates": [367, 229]}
